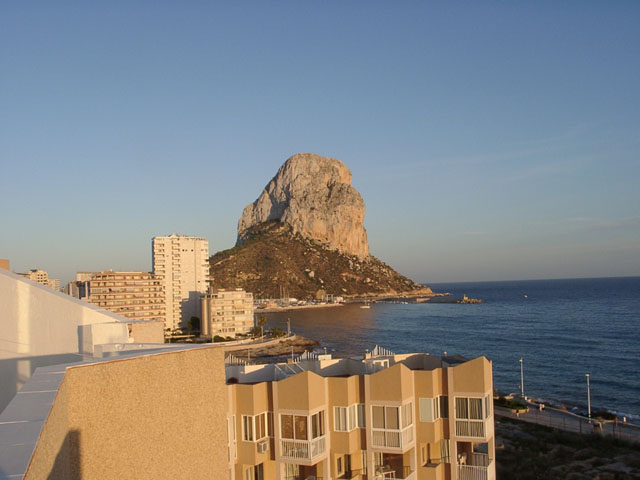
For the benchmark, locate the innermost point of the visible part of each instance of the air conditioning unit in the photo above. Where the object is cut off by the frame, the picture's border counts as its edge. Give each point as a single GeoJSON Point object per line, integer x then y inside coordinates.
{"type": "Point", "coordinates": [263, 446]}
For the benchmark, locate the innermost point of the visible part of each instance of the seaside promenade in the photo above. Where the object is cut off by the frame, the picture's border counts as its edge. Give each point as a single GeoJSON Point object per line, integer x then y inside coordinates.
{"type": "Point", "coordinates": [570, 422]}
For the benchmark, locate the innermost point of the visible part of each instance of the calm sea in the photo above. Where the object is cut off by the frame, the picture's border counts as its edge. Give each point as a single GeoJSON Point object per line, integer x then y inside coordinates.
{"type": "Point", "coordinates": [562, 329]}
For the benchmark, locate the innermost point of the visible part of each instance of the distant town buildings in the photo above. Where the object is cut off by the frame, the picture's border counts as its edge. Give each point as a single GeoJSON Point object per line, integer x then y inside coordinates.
{"type": "Point", "coordinates": [4, 264]}
{"type": "Point", "coordinates": [79, 290]}
{"type": "Point", "coordinates": [41, 277]}
{"type": "Point", "coordinates": [84, 276]}
{"type": "Point", "coordinates": [181, 263]}
{"type": "Point", "coordinates": [227, 312]}
{"type": "Point", "coordinates": [135, 295]}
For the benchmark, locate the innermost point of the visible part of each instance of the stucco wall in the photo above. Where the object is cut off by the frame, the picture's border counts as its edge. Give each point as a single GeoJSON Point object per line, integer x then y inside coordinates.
{"type": "Point", "coordinates": [147, 332]}
{"type": "Point", "coordinates": [150, 417]}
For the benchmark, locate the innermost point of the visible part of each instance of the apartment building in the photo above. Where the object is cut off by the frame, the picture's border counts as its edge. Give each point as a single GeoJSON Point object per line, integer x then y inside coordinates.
{"type": "Point", "coordinates": [182, 265]}
{"type": "Point", "coordinates": [42, 277]}
{"type": "Point", "coordinates": [227, 312]}
{"type": "Point", "coordinates": [376, 417]}
{"type": "Point", "coordinates": [135, 295]}
{"type": "Point", "coordinates": [385, 416]}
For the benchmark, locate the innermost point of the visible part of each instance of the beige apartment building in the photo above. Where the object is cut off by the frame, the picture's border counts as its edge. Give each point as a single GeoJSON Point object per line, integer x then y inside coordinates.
{"type": "Point", "coordinates": [41, 277]}
{"type": "Point", "coordinates": [182, 265]}
{"type": "Point", "coordinates": [135, 295]}
{"type": "Point", "coordinates": [377, 417]}
{"type": "Point", "coordinates": [386, 416]}
{"type": "Point", "coordinates": [227, 312]}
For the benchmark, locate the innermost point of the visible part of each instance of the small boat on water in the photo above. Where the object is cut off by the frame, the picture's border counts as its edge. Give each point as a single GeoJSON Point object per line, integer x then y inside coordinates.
{"type": "Point", "coordinates": [366, 303]}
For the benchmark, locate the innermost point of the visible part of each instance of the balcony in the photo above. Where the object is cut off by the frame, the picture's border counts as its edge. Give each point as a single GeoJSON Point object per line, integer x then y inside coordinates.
{"type": "Point", "coordinates": [478, 467]}
{"type": "Point", "coordinates": [392, 439]}
{"type": "Point", "coordinates": [302, 449]}
{"type": "Point", "coordinates": [395, 466]}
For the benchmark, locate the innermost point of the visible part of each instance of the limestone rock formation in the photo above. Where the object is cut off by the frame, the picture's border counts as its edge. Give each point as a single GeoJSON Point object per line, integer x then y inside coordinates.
{"type": "Point", "coordinates": [314, 195]}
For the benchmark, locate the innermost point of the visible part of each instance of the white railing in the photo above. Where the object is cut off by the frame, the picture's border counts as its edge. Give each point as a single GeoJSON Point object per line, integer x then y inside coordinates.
{"type": "Point", "coordinates": [392, 438]}
{"type": "Point", "coordinates": [471, 472]}
{"type": "Point", "coordinates": [470, 428]}
{"type": "Point", "coordinates": [407, 474]}
{"type": "Point", "coordinates": [480, 468]}
{"type": "Point", "coordinates": [302, 449]}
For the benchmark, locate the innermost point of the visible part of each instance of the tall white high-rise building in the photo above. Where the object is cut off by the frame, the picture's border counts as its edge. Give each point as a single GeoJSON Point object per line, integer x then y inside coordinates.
{"type": "Point", "coordinates": [181, 263]}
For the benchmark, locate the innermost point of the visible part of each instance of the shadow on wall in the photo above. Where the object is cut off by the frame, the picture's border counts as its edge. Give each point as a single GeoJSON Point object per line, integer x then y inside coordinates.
{"type": "Point", "coordinates": [15, 372]}
{"type": "Point", "coordinates": [68, 460]}
{"type": "Point", "coordinates": [192, 306]}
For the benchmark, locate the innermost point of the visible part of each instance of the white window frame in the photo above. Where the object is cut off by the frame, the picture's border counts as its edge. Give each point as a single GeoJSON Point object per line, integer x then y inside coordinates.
{"type": "Point", "coordinates": [254, 421]}
{"type": "Point", "coordinates": [435, 409]}
{"type": "Point", "coordinates": [322, 424]}
{"type": "Point", "coordinates": [404, 412]}
{"type": "Point", "coordinates": [484, 411]}
{"type": "Point", "coordinates": [361, 413]}
{"type": "Point", "coordinates": [345, 418]}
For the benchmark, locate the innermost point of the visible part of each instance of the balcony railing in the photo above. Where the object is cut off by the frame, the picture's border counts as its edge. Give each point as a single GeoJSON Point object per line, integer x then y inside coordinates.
{"type": "Point", "coordinates": [480, 467]}
{"type": "Point", "coordinates": [470, 428]}
{"type": "Point", "coordinates": [302, 449]}
{"type": "Point", "coordinates": [392, 438]}
{"type": "Point", "coordinates": [389, 474]}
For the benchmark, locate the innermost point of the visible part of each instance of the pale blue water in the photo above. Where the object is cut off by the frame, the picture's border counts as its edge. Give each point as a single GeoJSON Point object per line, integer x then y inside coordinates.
{"type": "Point", "coordinates": [563, 330]}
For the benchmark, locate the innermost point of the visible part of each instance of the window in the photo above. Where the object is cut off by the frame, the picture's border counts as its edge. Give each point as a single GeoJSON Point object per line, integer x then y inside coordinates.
{"type": "Point", "coordinates": [362, 420]}
{"type": "Point", "coordinates": [424, 453]}
{"type": "Point", "coordinates": [444, 450]}
{"type": "Point", "coordinates": [431, 409]}
{"type": "Point", "coordinates": [385, 417]}
{"type": "Point", "coordinates": [340, 419]}
{"type": "Point", "coordinates": [256, 427]}
{"type": "Point", "coordinates": [295, 427]}
{"type": "Point", "coordinates": [364, 462]}
{"type": "Point", "coordinates": [258, 472]}
{"type": "Point", "coordinates": [444, 406]}
{"type": "Point", "coordinates": [317, 424]}
{"type": "Point", "coordinates": [270, 423]}
{"type": "Point", "coordinates": [247, 428]}
{"type": "Point", "coordinates": [407, 414]}
{"type": "Point", "coordinates": [345, 418]}
{"type": "Point", "coordinates": [471, 408]}
{"type": "Point", "coordinates": [339, 465]}
{"type": "Point", "coordinates": [389, 417]}
{"type": "Point", "coordinates": [428, 409]}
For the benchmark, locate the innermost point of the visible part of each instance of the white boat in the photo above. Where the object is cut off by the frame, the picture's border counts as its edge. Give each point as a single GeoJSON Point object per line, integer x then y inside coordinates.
{"type": "Point", "coordinates": [366, 303]}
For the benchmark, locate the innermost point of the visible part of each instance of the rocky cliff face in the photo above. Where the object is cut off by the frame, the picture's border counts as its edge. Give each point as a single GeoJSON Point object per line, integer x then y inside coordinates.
{"type": "Point", "coordinates": [314, 195]}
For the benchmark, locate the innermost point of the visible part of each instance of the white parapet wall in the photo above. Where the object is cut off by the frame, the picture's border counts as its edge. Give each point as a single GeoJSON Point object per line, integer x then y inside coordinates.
{"type": "Point", "coordinates": [40, 327]}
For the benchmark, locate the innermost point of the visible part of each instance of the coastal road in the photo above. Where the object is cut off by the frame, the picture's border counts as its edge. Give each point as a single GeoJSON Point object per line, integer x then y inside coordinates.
{"type": "Point", "coordinates": [569, 422]}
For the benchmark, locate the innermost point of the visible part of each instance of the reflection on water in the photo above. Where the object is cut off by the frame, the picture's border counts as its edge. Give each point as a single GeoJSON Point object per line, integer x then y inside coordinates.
{"type": "Point", "coordinates": [345, 330]}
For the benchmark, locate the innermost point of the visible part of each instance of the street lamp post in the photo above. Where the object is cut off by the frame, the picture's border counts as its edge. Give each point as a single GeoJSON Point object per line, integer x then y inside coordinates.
{"type": "Point", "coordinates": [522, 377]}
{"type": "Point", "coordinates": [588, 396]}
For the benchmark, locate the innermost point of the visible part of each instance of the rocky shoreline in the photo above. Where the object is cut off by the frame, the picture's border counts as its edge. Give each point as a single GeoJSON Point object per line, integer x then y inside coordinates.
{"type": "Point", "coordinates": [296, 344]}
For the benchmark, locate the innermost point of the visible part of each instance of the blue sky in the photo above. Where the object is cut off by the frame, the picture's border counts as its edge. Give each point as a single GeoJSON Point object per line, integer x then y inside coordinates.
{"type": "Point", "coordinates": [489, 140]}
